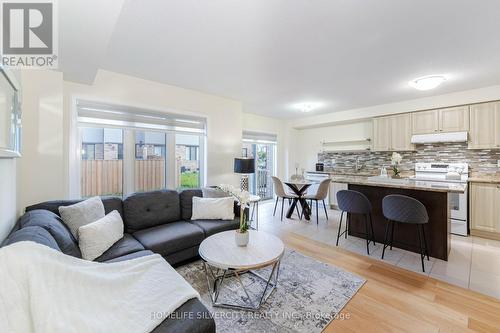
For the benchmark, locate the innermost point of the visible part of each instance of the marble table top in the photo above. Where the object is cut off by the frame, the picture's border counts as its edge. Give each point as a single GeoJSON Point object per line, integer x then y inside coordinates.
{"type": "Point", "coordinates": [220, 250]}
{"type": "Point", "coordinates": [402, 183]}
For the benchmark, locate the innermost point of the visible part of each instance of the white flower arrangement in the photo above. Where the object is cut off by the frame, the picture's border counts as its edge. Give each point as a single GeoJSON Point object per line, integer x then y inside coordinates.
{"type": "Point", "coordinates": [243, 199]}
{"type": "Point", "coordinates": [396, 159]}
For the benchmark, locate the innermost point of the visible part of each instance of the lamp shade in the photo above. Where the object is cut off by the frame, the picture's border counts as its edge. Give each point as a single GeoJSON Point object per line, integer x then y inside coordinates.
{"type": "Point", "coordinates": [244, 165]}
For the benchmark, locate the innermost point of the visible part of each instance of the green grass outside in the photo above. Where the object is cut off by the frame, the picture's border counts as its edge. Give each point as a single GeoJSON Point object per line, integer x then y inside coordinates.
{"type": "Point", "coordinates": [189, 180]}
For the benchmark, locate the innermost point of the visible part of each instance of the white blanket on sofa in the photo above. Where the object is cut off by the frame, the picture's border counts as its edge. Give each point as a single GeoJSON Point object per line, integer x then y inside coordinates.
{"type": "Point", "coordinates": [43, 290]}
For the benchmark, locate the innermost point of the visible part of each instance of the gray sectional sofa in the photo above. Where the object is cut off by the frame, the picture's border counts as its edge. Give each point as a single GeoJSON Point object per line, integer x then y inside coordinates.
{"type": "Point", "coordinates": [155, 222]}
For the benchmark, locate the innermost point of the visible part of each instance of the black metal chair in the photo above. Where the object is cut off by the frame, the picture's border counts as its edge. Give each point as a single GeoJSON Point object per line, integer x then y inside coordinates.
{"type": "Point", "coordinates": [354, 202]}
{"type": "Point", "coordinates": [403, 209]}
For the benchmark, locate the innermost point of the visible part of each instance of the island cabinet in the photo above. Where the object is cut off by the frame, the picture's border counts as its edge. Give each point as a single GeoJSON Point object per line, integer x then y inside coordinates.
{"type": "Point", "coordinates": [485, 210]}
{"type": "Point", "coordinates": [455, 119]}
{"type": "Point", "coordinates": [392, 133]}
{"type": "Point", "coordinates": [485, 126]}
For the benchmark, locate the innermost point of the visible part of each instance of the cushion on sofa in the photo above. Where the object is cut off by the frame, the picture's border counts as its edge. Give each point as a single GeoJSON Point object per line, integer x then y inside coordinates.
{"type": "Point", "coordinates": [127, 245]}
{"type": "Point", "coordinates": [132, 255]}
{"type": "Point", "coordinates": [34, 234]}
{"type": "Point", "coordinates": [97, 237]}
{"type": "Point", "coordinates": [213, 208]}
{"type": "Point", "coordinates": [55, 226]}
{"type": "Point", "coordinates": [110, 204]}
{"type": "Point", "coordinates": [211, 227]}
{"type": "Point", "coordinates": [82, 213]}
{"type": "Point", "coordinates": [149, 209]}
{"type": "Point", "coordinates": [171, 237]}
{"type": "Point", "coordinates": [186, 198]}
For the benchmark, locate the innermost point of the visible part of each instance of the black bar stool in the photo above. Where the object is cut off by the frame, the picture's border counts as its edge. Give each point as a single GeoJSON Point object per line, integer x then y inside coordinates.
{"type": "Point", "coordinates": [404, 209]}
{"type": "Point", "coordinates": [354, 202]}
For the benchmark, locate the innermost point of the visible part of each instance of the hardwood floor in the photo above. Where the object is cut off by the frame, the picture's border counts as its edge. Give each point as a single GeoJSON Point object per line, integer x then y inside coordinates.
{"type": "Point", "coordinates": [393, 299]}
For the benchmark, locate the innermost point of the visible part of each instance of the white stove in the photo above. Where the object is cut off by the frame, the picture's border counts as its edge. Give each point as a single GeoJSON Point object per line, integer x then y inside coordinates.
{"type": "Point", "coordinates": [449, 173]}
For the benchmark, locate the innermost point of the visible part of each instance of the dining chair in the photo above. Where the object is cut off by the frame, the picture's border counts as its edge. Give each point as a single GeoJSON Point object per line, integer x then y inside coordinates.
{"type": "Point", "coordinates": [279, 190]}
{"type": "Point", "coordinates": [320, 195]}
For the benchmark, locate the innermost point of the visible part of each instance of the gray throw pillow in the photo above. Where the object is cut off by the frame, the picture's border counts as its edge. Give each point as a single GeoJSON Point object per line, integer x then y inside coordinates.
{"type": "Point", "coordinates": [82, 213]}
{"type": "Point", "coordinates": [213, 192]}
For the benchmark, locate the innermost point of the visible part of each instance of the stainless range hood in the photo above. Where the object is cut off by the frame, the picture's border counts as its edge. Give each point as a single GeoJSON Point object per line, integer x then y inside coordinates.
{"type": "Point", "coordinates": [440, 137]}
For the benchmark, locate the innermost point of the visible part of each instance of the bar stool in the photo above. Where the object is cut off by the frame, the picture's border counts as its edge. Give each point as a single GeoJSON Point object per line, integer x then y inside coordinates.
{"type": "Point", "coordinates": [403, 209]}
{"type": "Point", "coordinates": [354, 202]}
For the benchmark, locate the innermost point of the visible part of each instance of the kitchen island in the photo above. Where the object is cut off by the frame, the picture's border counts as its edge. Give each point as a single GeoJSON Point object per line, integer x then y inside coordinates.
{"type": "Point", "coordinates": [434, 196]}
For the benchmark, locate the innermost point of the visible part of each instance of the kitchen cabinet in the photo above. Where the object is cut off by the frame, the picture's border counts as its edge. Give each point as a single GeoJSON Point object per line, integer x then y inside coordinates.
{"type": "Point", "coordinates": [485, 210]}
{"type": "Point", "coordinates": [485, 125]}
{"type": "Point", "coordinates": [392, 133]}
{"type": "Point", "coordinates": [425, 122]}
{"type": "Point", "coordinates": [455, 119]}
{"type": "Point", "coordinates": [334, 188]}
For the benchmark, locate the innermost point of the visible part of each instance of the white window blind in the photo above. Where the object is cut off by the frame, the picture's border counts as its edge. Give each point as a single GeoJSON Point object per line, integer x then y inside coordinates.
{"type": "Point", "coordinates": [259, 137]}
{"type": "Point", "coordinates": [109, 115]}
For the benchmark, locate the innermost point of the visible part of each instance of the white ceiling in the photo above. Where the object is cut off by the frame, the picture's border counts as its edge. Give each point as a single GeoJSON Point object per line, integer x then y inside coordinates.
{"type": "Point", "coordinates": [271, 54]}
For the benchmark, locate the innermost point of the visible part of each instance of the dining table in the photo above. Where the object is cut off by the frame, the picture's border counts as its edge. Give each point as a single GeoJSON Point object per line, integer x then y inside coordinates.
{"type": "Point", "coordinates": [299, 188]}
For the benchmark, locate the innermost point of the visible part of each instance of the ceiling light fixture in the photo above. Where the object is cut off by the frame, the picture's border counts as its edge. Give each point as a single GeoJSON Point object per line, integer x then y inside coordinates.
{"type": "Point", "coordinates": [307, 107]}
{"type": "Point", "coordinates": [427, 82]}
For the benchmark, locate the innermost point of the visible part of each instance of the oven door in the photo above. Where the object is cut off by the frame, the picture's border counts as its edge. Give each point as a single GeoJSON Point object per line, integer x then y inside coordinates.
{"type": "Point", "coordinates": [458, 206]}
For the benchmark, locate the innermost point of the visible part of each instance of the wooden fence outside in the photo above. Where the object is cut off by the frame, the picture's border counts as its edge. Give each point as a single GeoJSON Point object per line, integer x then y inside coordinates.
{"type": "Point", "coordinates": [105, 177]}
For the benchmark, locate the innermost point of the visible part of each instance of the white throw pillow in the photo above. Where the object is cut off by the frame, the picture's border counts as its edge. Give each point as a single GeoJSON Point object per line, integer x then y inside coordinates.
{"type": "Point", "coordinates": [82, 213]}
{"type": "Point", "coordinates": [96, 237]}
{"type": "Point", "coordinates": [213, 208]}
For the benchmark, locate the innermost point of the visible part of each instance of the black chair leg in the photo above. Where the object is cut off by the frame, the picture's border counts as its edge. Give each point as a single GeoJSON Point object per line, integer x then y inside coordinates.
{"type": "Point", "coordinates": [324, 207]}
{"type": "Point", "coordinates": [340, 227]}
{"type": "Point", "coordinates": [367, 235]}
{"type": "Point", "coordinates": [276, 205]}
{"type": "Point", "coordinates": [317, 215]}
{"type": "Point", "coordinates": [425, 243]}
{"type": "Point", "coordinates": [392, 233]}
{"type": "Point", "coordinates": [385, 239]}
{"type": "Point", "coordinates": [422, 255]}
{"type": "Point", "coordinates": [282, 206]}
{"type": "Point", "coordinates": [373, 232]}
{"type": "Point", "coordinates": [347, 221]}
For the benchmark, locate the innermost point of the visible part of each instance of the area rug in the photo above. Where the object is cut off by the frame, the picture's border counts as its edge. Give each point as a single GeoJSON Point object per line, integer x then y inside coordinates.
{"type": "Point", "coordinates": [309, 295]}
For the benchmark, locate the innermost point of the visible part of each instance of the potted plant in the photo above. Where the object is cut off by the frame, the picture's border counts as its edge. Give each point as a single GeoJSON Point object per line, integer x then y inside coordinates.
{"type": "Point", "coordinates": [242, 236]}
{"type": "Point", "coordinates": [395, 161]}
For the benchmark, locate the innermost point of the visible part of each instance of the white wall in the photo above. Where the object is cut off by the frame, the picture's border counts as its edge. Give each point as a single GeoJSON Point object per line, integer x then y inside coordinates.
{"type": "Point", "coordinates": [41, 169]}
{"type": "Point", "coordinates": [8, 189]}
{"type": "Point", "coordinates": [224, 116]}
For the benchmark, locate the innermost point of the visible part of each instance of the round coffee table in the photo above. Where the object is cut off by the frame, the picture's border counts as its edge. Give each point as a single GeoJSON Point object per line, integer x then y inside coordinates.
{"type": "Point", "coordinates": [222, 258]}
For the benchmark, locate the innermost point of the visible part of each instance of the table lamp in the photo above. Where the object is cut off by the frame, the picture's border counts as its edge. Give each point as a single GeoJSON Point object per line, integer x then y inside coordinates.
{"type": "Point", "coordinates": [244, 166]}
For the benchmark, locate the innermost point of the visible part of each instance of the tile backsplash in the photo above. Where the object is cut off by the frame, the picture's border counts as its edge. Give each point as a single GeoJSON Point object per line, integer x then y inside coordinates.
{"type": "Point", "coordinates": [481, 161]}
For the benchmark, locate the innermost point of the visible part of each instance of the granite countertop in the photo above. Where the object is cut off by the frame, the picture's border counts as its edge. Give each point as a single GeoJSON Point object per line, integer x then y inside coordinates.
{"type": "Point", "coordinates": [403, 183]}
{"type": "Point", "coordinates": [490, 179]}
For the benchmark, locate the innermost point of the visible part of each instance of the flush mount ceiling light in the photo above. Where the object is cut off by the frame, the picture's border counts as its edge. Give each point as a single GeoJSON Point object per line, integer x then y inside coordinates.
{"type": "Point", "coordinates": [307, 107]}
{"type": "Point", "coordinates": [427, 82]}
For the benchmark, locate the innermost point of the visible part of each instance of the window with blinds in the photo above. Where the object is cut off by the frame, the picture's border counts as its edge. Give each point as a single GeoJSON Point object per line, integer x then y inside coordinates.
{"type": "Point", "coordinates": [259, 137]}
{"type": "Point", "coordinates": [109, 115]}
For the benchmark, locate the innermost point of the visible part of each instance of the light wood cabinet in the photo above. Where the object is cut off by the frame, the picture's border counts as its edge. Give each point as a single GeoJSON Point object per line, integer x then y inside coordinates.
{"type": "Point", "coordinates": [392, 133]}
{"type": "Point", "coordinates": [454, 119]}
{"type": "Point", "coordinates": [425, 122]}
{"type": "Point", "coordinates": [485, 125]}
{"type": "Point", "coordinates": [485, 210]}
{"type": "Point", "coordinates": [382, 133]}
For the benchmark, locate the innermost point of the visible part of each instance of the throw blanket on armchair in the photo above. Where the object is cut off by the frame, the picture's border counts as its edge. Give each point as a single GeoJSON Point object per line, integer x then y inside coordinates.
{"type": "Point", "coordinates": [43, 290]}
